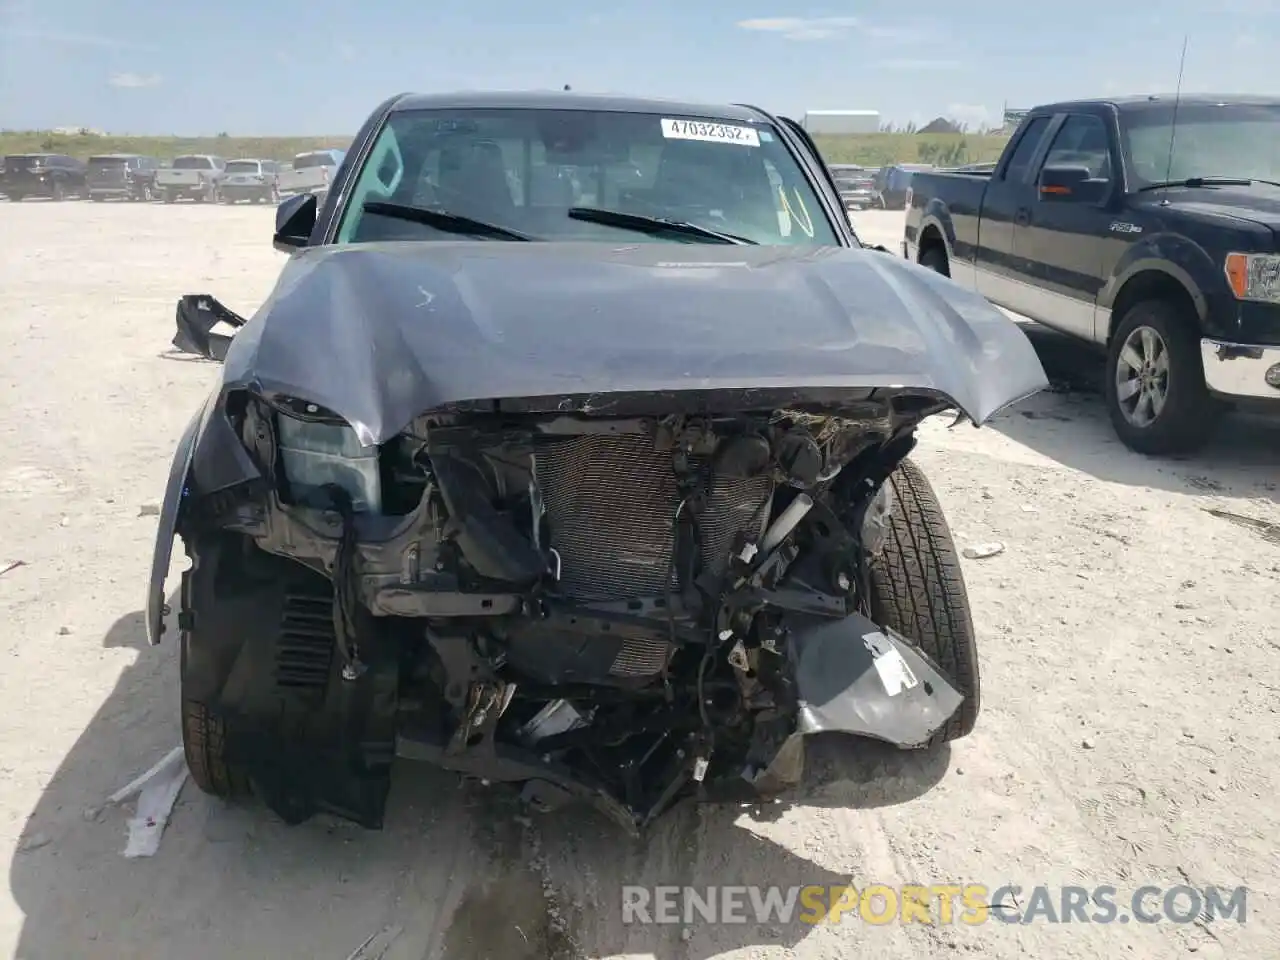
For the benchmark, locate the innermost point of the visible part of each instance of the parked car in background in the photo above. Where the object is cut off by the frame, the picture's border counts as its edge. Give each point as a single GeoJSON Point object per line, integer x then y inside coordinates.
{"type": "Point", "coordinates": [125, 176]}
{"type": "Point", "coordinates": [1165, 258]}
{"type": "Point", "coordinates": [196, 176]}
{"type": "Point", "coordinates": [53, 175]}
{"type": "Point", "coordinates": [893, 182]}
{"type": "Point", "coordinates": [254, 180]}
{"type": "Point", "coordinates": [311, 172]}
{"type": "Point", "coordinates": [856, 185]}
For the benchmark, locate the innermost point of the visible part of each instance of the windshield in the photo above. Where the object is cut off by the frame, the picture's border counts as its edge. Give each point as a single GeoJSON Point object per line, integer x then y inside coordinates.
{"type": "Point", "coordinates": [525, 169]}
{"type": "Point", "coordinates": [98, 164]}
{"type": "Point", "coordinates": [1233, 140]}
{"type": "Point", "coordinates": [243, 166]}
{"type": "Point", "coordinates": [193, 163]}
{"type": "Point", "coordinates": [314, 160]}
{"type": "Point", "coordinates": [18, 161]}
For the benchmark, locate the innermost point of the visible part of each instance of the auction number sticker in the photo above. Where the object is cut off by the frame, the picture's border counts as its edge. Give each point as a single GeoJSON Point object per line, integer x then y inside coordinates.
{"type": "Point", "coordinates": [710, 132]}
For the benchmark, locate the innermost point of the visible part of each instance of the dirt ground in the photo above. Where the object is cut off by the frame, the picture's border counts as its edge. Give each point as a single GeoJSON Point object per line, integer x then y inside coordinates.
{"type": "Point", "coordinates": [1130, 643]}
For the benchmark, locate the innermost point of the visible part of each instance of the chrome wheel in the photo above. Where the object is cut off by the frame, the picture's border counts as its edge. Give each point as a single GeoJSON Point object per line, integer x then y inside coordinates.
{"type": "Point", "coordinates": [1142, 376]}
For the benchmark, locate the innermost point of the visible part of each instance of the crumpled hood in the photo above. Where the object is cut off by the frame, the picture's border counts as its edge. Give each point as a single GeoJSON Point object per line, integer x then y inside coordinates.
{"type": "Point", "coordinates": [380, 333]}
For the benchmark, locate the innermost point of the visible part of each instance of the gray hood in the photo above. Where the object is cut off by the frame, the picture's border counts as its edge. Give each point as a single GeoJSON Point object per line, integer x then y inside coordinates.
{"type": "Point", "coordinates": [380, 333]}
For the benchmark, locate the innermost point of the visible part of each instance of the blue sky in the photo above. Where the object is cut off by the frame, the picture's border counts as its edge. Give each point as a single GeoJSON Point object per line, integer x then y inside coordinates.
{"type": "Point", "coordinates": [319, 66]}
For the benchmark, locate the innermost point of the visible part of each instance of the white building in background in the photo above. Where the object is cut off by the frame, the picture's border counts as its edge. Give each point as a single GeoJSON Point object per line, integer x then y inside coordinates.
{"type": "Point", "coordinates": [841, 121]}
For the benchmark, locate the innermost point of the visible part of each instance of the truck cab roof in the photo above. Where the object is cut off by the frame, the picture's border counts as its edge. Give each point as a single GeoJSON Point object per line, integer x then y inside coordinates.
{"type": "Point", "coordinates": [1158, 101]}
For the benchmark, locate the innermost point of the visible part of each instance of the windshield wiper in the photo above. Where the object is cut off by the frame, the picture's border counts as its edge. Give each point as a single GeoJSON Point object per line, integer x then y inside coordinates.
{"type": "Point", "coordinates": [1204, 182]}
{"type": "Point", "coordinates": [442, 220]}
{"type": "Point", "coordinates": [652, 225]}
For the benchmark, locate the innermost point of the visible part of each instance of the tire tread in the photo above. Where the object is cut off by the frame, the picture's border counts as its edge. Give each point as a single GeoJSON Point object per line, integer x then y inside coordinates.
{"type": "Point", "coordinates": [918, 589]}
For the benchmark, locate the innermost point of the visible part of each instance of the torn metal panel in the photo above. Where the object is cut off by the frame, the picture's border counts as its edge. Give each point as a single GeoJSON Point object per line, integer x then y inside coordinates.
{"type": "Point", "coordinates": [855, 677]}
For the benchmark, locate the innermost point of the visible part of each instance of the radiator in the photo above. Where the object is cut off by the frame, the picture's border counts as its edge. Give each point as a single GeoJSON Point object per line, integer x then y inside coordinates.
{"type": "Point", "coordinates": [610, 503]}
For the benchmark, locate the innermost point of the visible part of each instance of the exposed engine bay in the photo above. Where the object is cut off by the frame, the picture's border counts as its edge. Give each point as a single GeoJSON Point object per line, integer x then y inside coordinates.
{"type": "Point", "coordinates": [623, 610]}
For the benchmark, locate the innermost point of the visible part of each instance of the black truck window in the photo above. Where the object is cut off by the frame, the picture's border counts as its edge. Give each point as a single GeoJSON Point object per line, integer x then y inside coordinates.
{"type": "Point", "coordinates": [1026, 149]}
{"type": "Point", "coordinates": [1081, 142]}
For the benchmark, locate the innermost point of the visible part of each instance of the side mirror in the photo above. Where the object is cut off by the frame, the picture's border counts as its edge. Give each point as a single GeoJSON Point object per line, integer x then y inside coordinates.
{"type": "Point", "coordinates": [1071, 184]}
{"type": "Point", "coordinates": [295, 219]}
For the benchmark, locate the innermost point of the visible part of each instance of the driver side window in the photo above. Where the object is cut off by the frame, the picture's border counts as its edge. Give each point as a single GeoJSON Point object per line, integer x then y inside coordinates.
{"type": "Point", "coordinates": [1082, 142]}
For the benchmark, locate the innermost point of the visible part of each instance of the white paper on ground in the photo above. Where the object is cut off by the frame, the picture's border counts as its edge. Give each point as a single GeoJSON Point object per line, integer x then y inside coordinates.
{"type": "Point", "coordinates": [157, 791]}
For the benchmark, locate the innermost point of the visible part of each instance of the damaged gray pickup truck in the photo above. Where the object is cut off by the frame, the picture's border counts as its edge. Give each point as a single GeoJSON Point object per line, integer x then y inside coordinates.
{"type": "Point", "coordinates": [570, 452]}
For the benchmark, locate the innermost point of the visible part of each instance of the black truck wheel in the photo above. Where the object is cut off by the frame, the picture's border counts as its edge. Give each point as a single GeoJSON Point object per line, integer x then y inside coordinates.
{"type": "Point", "coordinates": [935, 258]}
{"type": "Point", "coordinates": [917, 589]}
{"type": "Point", "coordinates": [1155, 390]}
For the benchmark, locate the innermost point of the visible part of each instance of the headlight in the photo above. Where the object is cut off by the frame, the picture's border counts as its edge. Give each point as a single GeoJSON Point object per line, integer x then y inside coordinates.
{"type": "Point", "coordinates": [1254, 276]}
{"type": "Point", "coordinates": [317, 450]}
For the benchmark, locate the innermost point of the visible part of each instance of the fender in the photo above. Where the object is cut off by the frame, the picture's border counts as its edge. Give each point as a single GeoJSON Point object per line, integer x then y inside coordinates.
{"type": "Point", "coordinates": [937, 216]}
{"type": "Point", "coordinates": [1176, 257]}
{"type": "Point", "coordinates": [167, 529]}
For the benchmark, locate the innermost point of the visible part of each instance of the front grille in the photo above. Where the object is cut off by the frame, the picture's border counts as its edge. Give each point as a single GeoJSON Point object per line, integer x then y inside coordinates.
{"type": "Point", "coordinates": [611, 504]}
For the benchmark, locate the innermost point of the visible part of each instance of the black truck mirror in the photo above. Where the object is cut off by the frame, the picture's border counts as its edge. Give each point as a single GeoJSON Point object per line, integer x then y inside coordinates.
{"type": "Point", "coordinates": [1071, 184]}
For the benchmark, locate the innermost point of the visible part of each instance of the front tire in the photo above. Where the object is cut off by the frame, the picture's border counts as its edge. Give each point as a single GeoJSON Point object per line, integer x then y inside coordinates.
{"type": "Point", "coordinates": [918, 589]}
{"type": "Point", "coordinates": [204, 735]}
{"type": "Point", "coordinates": [204, 742]}
{"type": "Point", "coordinates": [1155, 390]}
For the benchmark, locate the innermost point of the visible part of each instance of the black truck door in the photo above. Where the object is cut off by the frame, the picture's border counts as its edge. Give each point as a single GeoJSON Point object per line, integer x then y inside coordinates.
{"type": "Point", "coordinates": [998, 275]}
{"type": "Point", "coordinates": [1060, 234]}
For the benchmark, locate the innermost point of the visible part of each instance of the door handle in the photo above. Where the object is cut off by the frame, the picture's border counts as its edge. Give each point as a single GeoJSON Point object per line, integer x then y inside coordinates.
{"type": "Point", "coordinates": [1022, 217]}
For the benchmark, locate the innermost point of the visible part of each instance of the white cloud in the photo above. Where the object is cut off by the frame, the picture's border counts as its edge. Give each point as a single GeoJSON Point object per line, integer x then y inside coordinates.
{"type": "Point", "coordinates": [802, 28]}
{"type": "Point", "coordinates": [917, 64]}
{"type": "Point", "coordinates": [134, 81]}
{"type": "Point", "coordinates": [37, 35]}
{"type": "Point", "coordinates": [973, 115]}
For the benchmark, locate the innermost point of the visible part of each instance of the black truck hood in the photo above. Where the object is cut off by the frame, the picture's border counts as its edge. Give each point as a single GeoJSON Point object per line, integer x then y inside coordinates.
{"type": "Point", "coordinates": [380, 333]}
{"type": "Point", "coordinates": [1259, 204]}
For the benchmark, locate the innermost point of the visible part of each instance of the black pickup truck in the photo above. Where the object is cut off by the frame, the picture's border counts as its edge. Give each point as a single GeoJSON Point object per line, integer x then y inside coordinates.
{"type": "Point", "coordinates": [1146, 226]}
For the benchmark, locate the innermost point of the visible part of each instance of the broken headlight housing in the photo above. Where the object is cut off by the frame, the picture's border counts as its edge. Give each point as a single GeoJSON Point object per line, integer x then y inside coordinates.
{"type": "Point", "coordinates": [320, 451]}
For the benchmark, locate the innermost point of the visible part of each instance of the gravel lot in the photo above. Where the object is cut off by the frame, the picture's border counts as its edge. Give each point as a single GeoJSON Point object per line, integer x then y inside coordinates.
{"type": "Point", "coordinates": [1131, 647]}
